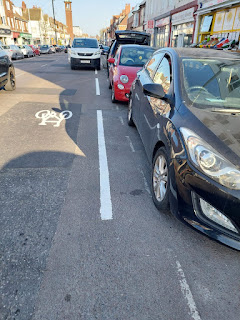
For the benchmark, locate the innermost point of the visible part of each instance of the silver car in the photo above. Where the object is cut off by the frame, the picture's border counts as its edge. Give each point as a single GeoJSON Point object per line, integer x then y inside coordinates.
{"type": "Point", "coordinates": [26, 50]}
{"type": "Point", "coordinates": [13, 52]}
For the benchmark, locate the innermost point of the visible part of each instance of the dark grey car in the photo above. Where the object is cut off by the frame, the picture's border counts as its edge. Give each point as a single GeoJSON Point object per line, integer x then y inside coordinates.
{"type": "Point", "coordinates": [7, 72]}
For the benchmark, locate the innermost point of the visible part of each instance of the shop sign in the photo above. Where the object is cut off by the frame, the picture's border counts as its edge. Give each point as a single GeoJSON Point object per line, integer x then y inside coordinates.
{"type": "Point", "coordinates": [5, 32]}
{"type": "Point", "coordinates": [183, 17]}
{"type": "Point", "coordinates": [206, 23]}
{"type": "Point", "coordinates": [151, 31]}
{"type": "Point", "coordinates": [229, 19]}
{"type": "Point", "coordinates": [237, 20]}
{"type": "Point", "coordinates": [162, 22]}
{"type": "Point", "coordinates": [26, 35]}
{"type": "Point", "coordinates": [15, 34]}
{"type": "Point", "coordinates": [218, 24]}
{"type": "Point", "coordinates": [210, 3]}
{"type": "Point", "coordinates": [150, 24]}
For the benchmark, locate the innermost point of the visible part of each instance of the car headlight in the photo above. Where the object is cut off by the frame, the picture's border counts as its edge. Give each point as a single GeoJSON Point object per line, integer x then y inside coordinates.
{"type": "Point", "coordinates": [74, 53]}
{"type": "Point", "coordinates": [210, 162]}
{"type": "Point", "coordinates": [97, 52]}
{"type": "Point", "coordinates": [124, 79]}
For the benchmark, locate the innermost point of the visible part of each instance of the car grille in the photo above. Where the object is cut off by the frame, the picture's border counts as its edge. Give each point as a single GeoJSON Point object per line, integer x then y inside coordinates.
{"type": "Point", "coordinates": [85, 54]}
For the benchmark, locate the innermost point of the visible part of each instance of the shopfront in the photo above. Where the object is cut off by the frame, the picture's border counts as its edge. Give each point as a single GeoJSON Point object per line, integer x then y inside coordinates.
{"type": "Point", "coordinates": [162, 29]}
{"type": "Point", "coordinates": [182, 28]}
{"type": "Point", "coordinates": [15, 36]}
{"type": "Point", "coordinates": [5, 35]}
{"type": "Point", "coordinates": [221, 23]}
{"type": "Point", "coordinates": [25, 38]}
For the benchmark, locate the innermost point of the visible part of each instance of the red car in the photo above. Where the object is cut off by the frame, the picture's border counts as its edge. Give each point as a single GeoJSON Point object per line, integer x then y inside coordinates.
{"type": "Point", "coordinates": [129, 59]}
{"type": "Point", "coordinates": [35, 50]}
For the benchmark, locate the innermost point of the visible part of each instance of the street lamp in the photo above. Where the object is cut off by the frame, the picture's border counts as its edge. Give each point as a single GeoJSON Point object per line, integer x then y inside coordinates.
{"type": "Point", "coordinates": [54, 21]}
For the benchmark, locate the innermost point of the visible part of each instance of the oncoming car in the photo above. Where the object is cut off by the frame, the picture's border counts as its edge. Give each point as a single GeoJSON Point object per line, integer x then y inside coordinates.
{"type": "Point", "coordinates": [85, 52]}
{"type": "Point", "coordinates": [185, 104]}
{"type": "Point", "coordinates": [129, 59]}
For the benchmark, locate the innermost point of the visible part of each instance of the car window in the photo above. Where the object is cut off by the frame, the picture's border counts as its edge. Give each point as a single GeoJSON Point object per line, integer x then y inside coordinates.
{"type": "Point", "coordinates": [135, 56]}
{"type": "Point", "coordinates": [6, 47]}
{"type": "Point", "coordinates": [163, 74]}
{"type": "Point", "coordinates": [153, 63]}
{"type": "Point", "coordinates": [85, 43]}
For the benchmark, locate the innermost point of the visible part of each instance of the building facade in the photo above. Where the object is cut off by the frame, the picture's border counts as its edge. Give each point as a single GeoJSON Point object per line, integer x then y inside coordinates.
{"type": "Point", "coordinates": [69, 23]}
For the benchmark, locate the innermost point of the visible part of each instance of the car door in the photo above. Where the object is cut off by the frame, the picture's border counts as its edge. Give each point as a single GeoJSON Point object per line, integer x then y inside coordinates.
{"type": "Point", "coordinates": [3, 66]}
{"type": "Point", "coordinates": [113, 66]}
{"type": "Point", "coordinates": [155, 110]}
{"type": "Point", "coordinates": [144, 76]}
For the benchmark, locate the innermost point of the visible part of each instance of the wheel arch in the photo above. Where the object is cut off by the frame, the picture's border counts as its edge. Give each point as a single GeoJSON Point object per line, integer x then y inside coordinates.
{"type": "Point", "coordinates": [158, 145]}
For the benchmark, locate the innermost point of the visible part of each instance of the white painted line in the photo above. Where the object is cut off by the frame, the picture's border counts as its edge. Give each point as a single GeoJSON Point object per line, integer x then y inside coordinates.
{"type": "Point", "coordinates": [97, 87]}
{"type": "Point", "coordinates": [95, 71]}
{"type": "Point", "coordinates": [145, 182]}
{"type": "Point", "coordinates": [105, 194]}
{"type": "Point", "coordinates": [187, 293]}
{"type": "Point", "coordinates": [117, 107]}
{"type": "Point", "coordinates": [20, 74]}
{"type": "Point", "coordinates": [130, 143]}
{"type": "Point", "coordinates": [121, 120]}
{"type": "Point", "coordinates": [44, 65]}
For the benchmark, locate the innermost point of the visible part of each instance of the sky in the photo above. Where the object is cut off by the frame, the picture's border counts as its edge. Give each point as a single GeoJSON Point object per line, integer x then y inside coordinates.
{"type": "Point", "coordinates": [90, 15]}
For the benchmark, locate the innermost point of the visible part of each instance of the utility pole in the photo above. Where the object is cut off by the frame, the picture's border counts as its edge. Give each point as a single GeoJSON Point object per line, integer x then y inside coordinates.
{"type": "Point", "coordinates": [54, 21]}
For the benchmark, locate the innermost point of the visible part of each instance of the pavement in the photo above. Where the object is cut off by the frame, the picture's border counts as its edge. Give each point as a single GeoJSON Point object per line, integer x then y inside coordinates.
{"type": "Point", "coordinates": [80, 237]}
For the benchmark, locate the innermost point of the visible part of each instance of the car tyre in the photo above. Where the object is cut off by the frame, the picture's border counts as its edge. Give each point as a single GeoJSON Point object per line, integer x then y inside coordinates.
{"type": "Point", "coordinates": [113, 95]}
{"type": "Point", "coordinates": [130, 118]}
{"type": "Point", "coordinates": [11, 83]}
{"type": "Point", "coordinates": [160, 180]}
{"type": "Point", "coordinates": [73, 67]}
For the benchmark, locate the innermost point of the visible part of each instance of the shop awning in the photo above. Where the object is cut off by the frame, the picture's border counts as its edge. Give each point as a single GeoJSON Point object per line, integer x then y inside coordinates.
{"type": "Point", "coordinates": [26, 35]}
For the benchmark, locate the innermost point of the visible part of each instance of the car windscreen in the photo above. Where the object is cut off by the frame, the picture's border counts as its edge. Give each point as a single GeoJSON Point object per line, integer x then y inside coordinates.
{"type": "Point", "coordinates": [135, 57]}
{"type": "Point", "coordinates": [85, 43]}
{"type": "Point", "coordinates": [21, 47]}
{"type": "Point", "coordinates": [212, 83]}
{"type": "Point", "coordinates": [6, 47]}
{"type": "Point", "coordinates": [44, 47]}
{"type": "Point", "coordinates": [137, 38]}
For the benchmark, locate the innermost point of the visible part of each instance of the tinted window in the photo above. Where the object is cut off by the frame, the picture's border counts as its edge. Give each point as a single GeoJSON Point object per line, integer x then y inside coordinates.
{"type": "Point", "coordinates": [153, 63]}
{"type": "Point", "coordinates": [135, 56]}
{"type": "Point", "coordinates": [217, 82]}
{"type": "Point", "coordinates": [85, 43]}
{"type": "Point", "coordinates": [44, 47]}
{"type": "Point", "coordinates": [163, 74]}
{"type": "Point", "coordinates": [6, 47]}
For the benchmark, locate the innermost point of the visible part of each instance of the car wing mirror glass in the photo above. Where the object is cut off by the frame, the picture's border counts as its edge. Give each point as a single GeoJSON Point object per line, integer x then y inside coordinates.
{"type": "Point", "coordinates": [154, 90]}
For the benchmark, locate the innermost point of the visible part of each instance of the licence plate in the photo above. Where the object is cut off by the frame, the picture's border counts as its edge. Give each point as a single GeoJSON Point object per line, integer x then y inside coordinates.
{"type": "Point", "coordinates": [85, 61]}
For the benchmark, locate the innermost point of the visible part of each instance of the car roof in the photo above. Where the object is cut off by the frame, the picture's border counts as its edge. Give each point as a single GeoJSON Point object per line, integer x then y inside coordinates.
{"type": "Point", "coordinates": [136, 46]}
{"type": "Point", "coordinates": [86, 38]}
{"type": "Point", "coordinates": [204, 53]}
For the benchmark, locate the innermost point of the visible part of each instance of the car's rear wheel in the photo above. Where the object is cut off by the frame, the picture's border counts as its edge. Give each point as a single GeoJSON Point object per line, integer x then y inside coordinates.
{"type": "Point", "coordinates": [113, 95]}
{"type": "Point", "coordinates": [11, 84]}
{"type": "Point", "coordinates": [130, 118]}
{"type": "Point", "coordinates": [160, 180]}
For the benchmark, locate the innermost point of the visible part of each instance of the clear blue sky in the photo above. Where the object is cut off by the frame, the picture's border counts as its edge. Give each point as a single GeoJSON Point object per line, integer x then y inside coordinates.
{"type": "Point", "coordinates": [90, 15]}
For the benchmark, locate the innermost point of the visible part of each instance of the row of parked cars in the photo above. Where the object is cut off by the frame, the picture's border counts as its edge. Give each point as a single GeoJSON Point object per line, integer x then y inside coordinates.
{"type": "Point", "coordinates": [185, 104]}
{"type": "Point", "coordinates": [16, 52]}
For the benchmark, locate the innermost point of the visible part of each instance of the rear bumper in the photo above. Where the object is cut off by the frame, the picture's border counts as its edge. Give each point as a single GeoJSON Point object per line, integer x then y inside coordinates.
{"type": "Point", "coordinates": [82, 62]}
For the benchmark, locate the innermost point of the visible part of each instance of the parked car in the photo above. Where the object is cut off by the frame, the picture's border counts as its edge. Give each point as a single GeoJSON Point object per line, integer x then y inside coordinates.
{"type": "Point", "coordinates": [129, 59]}
{"type": "Point", "coordinates": [104, 49]}
{"type": "Point", "coordinates": [57, 48]}
{"type": "Point", "coordinates": [53, 49]}
{"type": "Point", "coordinates": [35, 50]}
{"type": "Point", "coordinates": [128, 37]}
{"type": "Point", "coordinates": [13, 52]}
{"type": "Point", "coordinates": [66, 48]}
{"type": "Point", "coordinates": [45, 49]}
{"type": "Point", "coordinates": [85, 52]}
{"type": "Point", "coordinates": [185, 104]}
{"type": "Point", "coordinates": [7, 72]}
{"type": "Point", "coordinates": [26, 50]}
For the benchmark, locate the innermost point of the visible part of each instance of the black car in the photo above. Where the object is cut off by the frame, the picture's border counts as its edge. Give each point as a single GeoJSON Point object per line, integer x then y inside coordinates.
{"type": "Point", "coordinates": [185, 104]}
{"type": "Point", "coordinates": [7, 72]}
{"type": "Point", "coordinates": [128, 37]}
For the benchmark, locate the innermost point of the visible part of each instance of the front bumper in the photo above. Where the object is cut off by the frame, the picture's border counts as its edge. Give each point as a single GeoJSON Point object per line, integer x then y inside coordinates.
{"type": "Point", "coordinates": [192, 185]}
{"type": "Point", "coordinates": [82, 62]}
{"type": "Point", "coordinates": [122, 94]}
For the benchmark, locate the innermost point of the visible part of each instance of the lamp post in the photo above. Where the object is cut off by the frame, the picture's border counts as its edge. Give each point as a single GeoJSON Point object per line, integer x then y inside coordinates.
{"type": "Point", "coordinates": [54, 21]}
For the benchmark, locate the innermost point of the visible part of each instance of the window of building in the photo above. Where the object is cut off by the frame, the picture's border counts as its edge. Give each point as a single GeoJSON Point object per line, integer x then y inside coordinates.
{"type": "Point", "coordinates": [3, 20]}
{"type": "Point", "coordinates": [8, 5]}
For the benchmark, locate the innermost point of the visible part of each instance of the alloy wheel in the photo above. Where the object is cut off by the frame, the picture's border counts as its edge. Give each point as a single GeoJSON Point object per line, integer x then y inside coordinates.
{"type": "Point", "coordinates": [160, 178]}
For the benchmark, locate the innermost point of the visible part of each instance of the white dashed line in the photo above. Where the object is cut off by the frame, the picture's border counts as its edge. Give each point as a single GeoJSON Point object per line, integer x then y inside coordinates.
{"type": "Point", "coordinates": [96, 71]}
{"type": "Point", "coordinates": [105, 194]}
{"type": "Point", "coordinates": [121, 120]}
{"type": "Point", "coordinates": [117, 107]}
{"type": "Point", "coordinates": [97, 87]}
{"type": "Point", "coordinates": [187, 293]}
{"type": "Point", "coordinates": [130, 143]}
{"type": "Point", "coordinates": [44, 65]}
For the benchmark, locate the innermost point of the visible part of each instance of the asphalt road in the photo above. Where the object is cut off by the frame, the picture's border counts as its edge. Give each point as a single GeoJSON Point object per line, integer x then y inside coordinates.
{"type": "Point", "coordinates": [80, 236]}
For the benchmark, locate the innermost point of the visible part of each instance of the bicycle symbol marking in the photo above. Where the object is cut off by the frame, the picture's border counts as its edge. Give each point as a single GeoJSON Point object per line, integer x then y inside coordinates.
{"type": "Point", "coordinates": [48, 116]}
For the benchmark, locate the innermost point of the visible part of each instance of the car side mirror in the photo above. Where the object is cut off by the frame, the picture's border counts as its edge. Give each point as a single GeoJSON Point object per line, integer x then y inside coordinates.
{"type": "Point", "coordinates": [154, 90]}
{"type": "Point", "coordinates": [111, 60]}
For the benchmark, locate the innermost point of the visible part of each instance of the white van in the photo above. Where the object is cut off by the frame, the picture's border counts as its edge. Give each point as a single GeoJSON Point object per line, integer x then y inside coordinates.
{"type": "Point", "coordinates": [84, 52]}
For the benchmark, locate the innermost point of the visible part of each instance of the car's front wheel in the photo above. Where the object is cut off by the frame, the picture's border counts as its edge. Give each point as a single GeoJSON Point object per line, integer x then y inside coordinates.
{"type": "Point", "coordinates": [160, 180]}
{"type": "Point", "coordinates": [130, 118]}
{"type": "Point", "coordinates": [11, 84]}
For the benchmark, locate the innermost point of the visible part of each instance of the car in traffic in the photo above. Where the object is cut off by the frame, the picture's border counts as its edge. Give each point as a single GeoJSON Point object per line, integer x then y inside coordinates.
{"type": "Point", "coordinates": [129, 59]}
{"type": "Point", "coordinates": [53, 49]}
{"type": "Point", "coordinates": [85, 52]}
{"type": "Point", "coordinates": [35, 50]}
{"type": "Point", "coordinates": [45, 49]}
{"type": "Point", "coordinates": [14, 52]}
{"type": "Point", "coordinates": [127, 37]}
{"type": "Point", "coordinates": [185, 104]}
{"type": "Point", "coordinates": [104, 49]}
{"type": "Point", "coordinates": [26, 50]}
{"type": "Point", "coordinates": [7, 72]}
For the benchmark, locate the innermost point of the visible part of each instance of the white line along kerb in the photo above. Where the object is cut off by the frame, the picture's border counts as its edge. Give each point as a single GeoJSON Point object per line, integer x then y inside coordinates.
{"type": "Point", "coordinates": [187, 293]}
{"type": "Point", "coordinates": [97, 87]}
{"type": "Point", "coordinates": [105, 194]}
